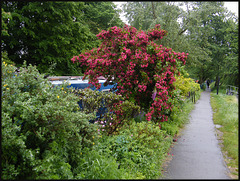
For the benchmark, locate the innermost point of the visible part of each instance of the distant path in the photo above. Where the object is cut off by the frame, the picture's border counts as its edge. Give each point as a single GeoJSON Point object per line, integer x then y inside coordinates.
{"type": "Point", "coordinates": [196, 154]}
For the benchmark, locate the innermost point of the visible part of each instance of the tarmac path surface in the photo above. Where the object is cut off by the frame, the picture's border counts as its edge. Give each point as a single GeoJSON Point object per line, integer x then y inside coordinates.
{"type": "Point", "coordinates": [197, 154]}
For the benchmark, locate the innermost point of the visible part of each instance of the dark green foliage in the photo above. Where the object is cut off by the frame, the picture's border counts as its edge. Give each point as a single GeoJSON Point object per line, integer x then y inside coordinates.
{"type": "Point", "coordinates": [101, 15]}
{"type": "Point", "coordinates": [230, 66]}
{"type": "Point", "coordinates": [48, 34]}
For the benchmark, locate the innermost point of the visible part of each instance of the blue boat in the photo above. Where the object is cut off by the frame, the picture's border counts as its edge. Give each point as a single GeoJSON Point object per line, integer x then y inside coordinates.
{"type": "Point", "coordinates": [78, 83]}
{"type": "Point", "coordinates": [82, 84]}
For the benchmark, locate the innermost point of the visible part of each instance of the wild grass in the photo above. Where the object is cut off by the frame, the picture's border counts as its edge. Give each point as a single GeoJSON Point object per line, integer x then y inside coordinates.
{"type": "Point", "coordinates": [225, 109]}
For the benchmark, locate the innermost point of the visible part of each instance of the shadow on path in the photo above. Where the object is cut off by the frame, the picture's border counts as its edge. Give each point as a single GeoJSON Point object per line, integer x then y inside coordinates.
{"type": "Point", "coordinates": [196, 154]}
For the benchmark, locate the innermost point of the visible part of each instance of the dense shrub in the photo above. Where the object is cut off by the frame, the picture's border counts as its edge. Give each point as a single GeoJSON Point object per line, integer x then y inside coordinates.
{"type": "Point", "coordinates": [46, 135]}
{"type": "Point", "coordinates": [114, 110]}
{"type": "Point", "coordinates": [96, 165]}
{"type": "Point", "coordinates": [138, 148]}
{"type": "Point", "coordinates": [203, 86]}
{"type": "Point", "coordinates": [184, 85]}
{"type": "Point", "coordinates": [43, 129]}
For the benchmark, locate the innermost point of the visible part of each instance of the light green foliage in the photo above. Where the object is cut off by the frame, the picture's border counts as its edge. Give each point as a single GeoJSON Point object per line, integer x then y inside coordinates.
{"type": "Point", "coordinates": [138, 148]}
{"type": "Point", "coordinates": [95, 165]}
{"type": "Point", "coordinates": [212, 86]}
{"type": "Point", "coordinates": [185, 85]}
{"type": "Point", "coordinates": [6, 17]}
{"type": "Point", "coordinates": [226, 114]}
{"type": "Point", "coordinates": [206, 31]}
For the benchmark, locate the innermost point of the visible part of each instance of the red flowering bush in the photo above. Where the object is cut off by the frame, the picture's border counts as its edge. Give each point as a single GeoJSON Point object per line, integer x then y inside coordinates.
{"type": "Point", "coordinates": [142, 70]}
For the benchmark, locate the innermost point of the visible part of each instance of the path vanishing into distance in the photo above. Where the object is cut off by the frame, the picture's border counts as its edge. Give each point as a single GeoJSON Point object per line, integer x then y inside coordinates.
{"type": "Point", "coordinates": [197, 154]}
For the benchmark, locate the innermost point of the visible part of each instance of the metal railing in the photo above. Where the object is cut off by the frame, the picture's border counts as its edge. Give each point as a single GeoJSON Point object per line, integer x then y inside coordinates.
{"type": "Point", "coordinates": [231, 90]}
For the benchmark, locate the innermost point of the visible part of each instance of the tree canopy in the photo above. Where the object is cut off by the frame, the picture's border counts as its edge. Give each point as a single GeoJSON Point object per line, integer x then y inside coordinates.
{"type": "Point", "coordinates": [200, 30]}
{"type": "Point", "coordinates": [48, 34]}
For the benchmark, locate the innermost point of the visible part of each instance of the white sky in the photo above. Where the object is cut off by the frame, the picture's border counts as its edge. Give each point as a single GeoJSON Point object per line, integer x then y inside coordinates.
{"type": "Point", "coordinates": [230, 5]}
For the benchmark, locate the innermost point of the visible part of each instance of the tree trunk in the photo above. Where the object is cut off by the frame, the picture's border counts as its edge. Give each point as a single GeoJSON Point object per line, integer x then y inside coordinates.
{"type": "Point", "coordinates": [153, 10]}
{"type": "Point", "coordinates": [217, 82]}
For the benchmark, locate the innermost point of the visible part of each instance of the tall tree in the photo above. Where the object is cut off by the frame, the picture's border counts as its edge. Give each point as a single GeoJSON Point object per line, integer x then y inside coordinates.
{"type": "Point", "coordinates": [198, 30]}
{"type": "Point", "coordinates": [144, 15]}
{"type": "Point", "coordinates": [231, 63]}
{"type": "Point", "coordinates": [48, 34]}
{"type": "Point", "coordinates": [6, 17]}
{"type": "Point", "coordinates": [210, 29]}
{"type": "Point", "coordinates": [101, 15]}
{"type": "Point", "coordinates": [175, 20]}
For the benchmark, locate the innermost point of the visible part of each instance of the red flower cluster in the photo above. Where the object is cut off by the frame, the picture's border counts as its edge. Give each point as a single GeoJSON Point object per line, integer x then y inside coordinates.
{"type": "Point", "coordinates": [137, 64]}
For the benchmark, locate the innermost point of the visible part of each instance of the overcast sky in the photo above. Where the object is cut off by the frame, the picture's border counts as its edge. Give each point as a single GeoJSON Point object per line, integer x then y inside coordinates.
{"type": "Point", "coordinates": [230, 5]}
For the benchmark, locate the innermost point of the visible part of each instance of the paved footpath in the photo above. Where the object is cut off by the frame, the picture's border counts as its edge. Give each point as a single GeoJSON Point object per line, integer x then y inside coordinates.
{"type": "Point", "coordinates": [196, 154]}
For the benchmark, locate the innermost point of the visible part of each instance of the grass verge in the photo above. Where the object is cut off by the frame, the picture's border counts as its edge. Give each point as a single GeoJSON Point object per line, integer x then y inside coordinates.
{"type": "Point", "coordinates": [225, 109]}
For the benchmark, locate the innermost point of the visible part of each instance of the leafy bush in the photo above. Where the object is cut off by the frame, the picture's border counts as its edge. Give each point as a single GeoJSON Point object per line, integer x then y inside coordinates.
{"type": "Point", "coordinates": [212, 86]}
{"type": "Point", "coordinates": [203, 86]}
{"type": "Point", "coordinates": [185, 85]}
{"type": "Point", "coordinates": [43, 130]}
{"type": "Point", "coordinates": [95, 165]}
{"type": "Point", "coordinates": [113, 109]}
{"type": "Point", "coordinates": [138, 148]}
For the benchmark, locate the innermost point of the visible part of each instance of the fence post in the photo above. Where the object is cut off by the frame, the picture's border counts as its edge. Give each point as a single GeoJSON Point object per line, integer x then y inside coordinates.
{"type": "Point", "coordinates": [194, 96]}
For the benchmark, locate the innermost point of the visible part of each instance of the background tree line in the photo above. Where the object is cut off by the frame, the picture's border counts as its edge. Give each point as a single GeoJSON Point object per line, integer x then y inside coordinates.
{"type": "Point", "coordinates": [48, 34]}
{"type": "Point", "coordinates": [205, 30]}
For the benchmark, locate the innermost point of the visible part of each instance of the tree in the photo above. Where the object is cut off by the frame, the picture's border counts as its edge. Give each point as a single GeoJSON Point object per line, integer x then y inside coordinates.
{"type": "Point", "coordinates": [48, 34]}
{"type": "Point", "coordinates": [141, 70]}
{"type": "Point", "coordinates": [198, 32]}
{"type": "Point", "coordinates": [220, 27]}
{"type": "Point", "coordinates": [231, 67]}
{"type": "Point", "coordinates": [6, 17]}
{"type": "Point", "coordinates": [101, 15]}
{"type": "Point", "coordinates": [176, 21]}
{"type": "Point", "coordinates": [189, 31]}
